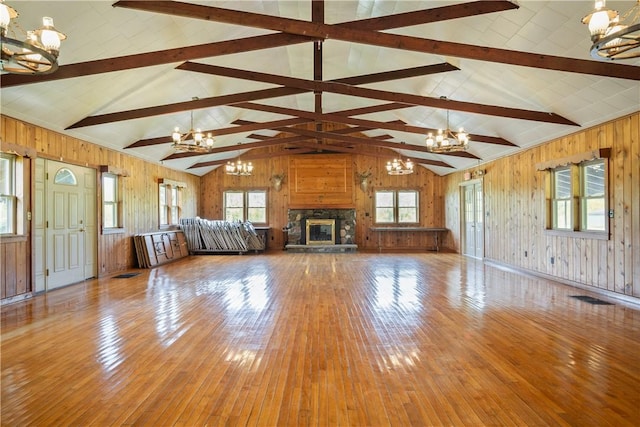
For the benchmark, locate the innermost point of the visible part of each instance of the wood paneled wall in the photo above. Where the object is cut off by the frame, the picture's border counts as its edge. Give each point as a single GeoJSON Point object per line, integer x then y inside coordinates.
{"type": "Point", "coordinates": [140, 194]}
{"type": "Point", "coordinates": [429, 184]}
{"type": "Point", "coordinates": [320, 180]}
{"type": "Point", "coordinates": [514, 208]}
{"type": "Point", "coordinates": [513, 193]}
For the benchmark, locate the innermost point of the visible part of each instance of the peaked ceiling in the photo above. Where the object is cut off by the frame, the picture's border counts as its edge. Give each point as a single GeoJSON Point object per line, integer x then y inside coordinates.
{"type": "Point", "coordinates": [514, 75]}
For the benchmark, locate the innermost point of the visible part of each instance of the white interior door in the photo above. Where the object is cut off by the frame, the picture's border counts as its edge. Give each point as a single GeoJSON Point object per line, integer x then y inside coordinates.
{"type": "Point", "coordinates": [472, 220]}
{"type": "Point", "coordinates": [70, 224]}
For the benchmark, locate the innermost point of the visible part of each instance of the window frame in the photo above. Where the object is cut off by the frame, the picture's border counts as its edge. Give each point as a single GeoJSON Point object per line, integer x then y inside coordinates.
{"type": "Point", "coordinates": [172, 208]}
{"type": "Point", "coordinates": [116, 204]}
{"type": "Point", "coordinates": [566, 202]}
{"type": "Point", "coordinates": [246, 207]}
{"type": "Point", "coordinates": [578, 199]}
{"type": "Point", "coordinates": [585, 198]}
{"type": "Point", "coordinates": [396, 206]}
{"type": "Point", "coordinates": [11, 197]}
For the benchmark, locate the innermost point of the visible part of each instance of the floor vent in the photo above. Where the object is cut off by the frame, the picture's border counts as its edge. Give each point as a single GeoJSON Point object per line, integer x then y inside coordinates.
{"type": "Point", "coordinates": [125, 275]}
{"type": "Point", "coordinates": [591, 300]}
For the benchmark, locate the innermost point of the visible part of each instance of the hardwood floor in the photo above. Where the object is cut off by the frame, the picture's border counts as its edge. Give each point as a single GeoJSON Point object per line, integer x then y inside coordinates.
{"type": "Point", "coordinates": [281, 339]}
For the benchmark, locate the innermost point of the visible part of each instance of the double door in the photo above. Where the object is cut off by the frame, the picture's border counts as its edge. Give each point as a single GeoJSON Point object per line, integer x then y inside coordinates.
{"type": "Point", "coordinates": [472, 219]}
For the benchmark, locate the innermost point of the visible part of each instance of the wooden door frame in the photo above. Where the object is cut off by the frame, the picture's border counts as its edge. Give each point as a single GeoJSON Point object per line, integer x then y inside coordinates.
{"type": "Point", "coordinates": [463, 236]}
{"type": "Point", "coordinates": [98, 217]}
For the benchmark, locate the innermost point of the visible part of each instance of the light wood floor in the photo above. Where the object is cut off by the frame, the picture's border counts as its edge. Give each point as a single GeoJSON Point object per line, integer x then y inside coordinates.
{"type": "Point", "coordinates": [283, 339]}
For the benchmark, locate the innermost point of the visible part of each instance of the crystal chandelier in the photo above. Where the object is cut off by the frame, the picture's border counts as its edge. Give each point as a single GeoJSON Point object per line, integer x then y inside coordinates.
{"type": "Point", "coordinates": [239, 168]}
{"type": "Point", "coordinates": [400, 167]}
{"type": "Point", "coordinates": [446, 141]}
{"type": "Point", "coordinates": [192, 141]}
{"type": "Point", "coordinates": [37, 53]}
{"type": "Point", "coordinates": [614, 37]}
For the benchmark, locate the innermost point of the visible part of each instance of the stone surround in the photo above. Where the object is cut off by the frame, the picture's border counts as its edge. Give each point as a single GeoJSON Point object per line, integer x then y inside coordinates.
{"type": "Point", "coordinates": [345, 224]}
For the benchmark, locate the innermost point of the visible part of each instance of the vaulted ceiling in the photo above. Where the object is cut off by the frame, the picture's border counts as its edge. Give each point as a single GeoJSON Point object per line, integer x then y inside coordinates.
{"type": "Point", "coordinates": [514, 75]}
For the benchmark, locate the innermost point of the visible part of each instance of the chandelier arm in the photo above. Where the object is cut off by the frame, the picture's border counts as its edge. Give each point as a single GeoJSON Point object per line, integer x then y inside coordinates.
{"type": "Point", "coordinates": [26, 66]}
{"type": "Point", "coordinates": [622, 50]}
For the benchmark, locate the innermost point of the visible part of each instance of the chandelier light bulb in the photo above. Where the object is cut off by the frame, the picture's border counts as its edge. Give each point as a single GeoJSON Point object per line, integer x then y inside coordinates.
{"type": "Point", "coordinates": [176, 135]}
{"type": "Point", "coordinates": [197, 136]}
{"type": "Point", "coordinates": [599, 22]}
{"type": "Point", "coordinates": [209, 140]}
{"type": "Point", "coordinates": [49, 37]}
{"type": "Point", "coordinates": [430, 142]}
{"type": "Point", "coordinates": [7, 13]}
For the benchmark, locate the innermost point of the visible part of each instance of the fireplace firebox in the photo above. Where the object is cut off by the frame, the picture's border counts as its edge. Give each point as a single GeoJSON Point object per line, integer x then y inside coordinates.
{"type": "Point", "coordinates": [320, 231]}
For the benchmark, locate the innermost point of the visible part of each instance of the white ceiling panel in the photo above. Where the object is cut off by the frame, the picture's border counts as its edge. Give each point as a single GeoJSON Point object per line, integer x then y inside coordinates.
{"type": "Point", "coordinates": [97, 30]}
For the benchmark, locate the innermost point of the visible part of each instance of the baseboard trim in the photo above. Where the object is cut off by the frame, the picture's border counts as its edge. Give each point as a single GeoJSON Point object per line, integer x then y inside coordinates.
{"type": "Point", "coordinates": [635, 302]}
{"type": "Point", "coordinates": [16, 298]}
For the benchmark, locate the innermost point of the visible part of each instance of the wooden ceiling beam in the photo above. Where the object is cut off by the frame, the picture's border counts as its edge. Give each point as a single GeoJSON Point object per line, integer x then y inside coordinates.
{"type": "Point", "coordinates": [365, 149]}
{"type": "Point", "coordinates": [393, 145]}
{"type": "Point", "coordinates": [247, 96]}
{"type": "Point", "coordinates": [184, 106]}
{"type": "Point", "coordinates": [404, 98]}
{"type": "Point", "coordinates": [246, 127]}
{"type": "Point", "coordinates": [159, 57]}
{"type": "Point", "coordinates": [371, 124]}
{"type": "Point", "coordinates": [350, 33]}
{"type": "Point", "coordinates": [364, 144]}
{"type": "Point", "coordinates": [247, 157]}
{"type": "Point", "coordinates": [239, 146]}
{"type": "Point", "coordinates": [343, 131]}
{"type": "Point", "coordinates": [248, 44]}
{"type": "Point", "coordinates": [435, 14]}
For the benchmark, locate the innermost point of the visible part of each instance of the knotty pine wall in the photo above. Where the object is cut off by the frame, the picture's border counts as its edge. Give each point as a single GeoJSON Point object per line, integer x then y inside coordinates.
{"type": "Point", "coordinates": [430, 185]}
{"type": "Point", "coordinates": [140, 193]}
{"type": "Point", "coordinates": [514, 207]}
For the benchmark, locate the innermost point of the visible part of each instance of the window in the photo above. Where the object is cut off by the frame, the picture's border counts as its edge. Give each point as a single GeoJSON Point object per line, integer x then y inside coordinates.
{"type": "Point", "coordinates": [169, 203]}
{"type": "Point", "coordinates": [592, 200]}
{"type": "Point", "coordinates": [111, 217]}
{"type": "Point", "coordinates": [246, 206]}
{"type": "Point", "coordinates": [8, 199]}
{"type": "Point", "coordinates": [578, 197]}
{"type": "Point", "coordinates": [399, 206]}
{"type": "Point", "coordinates": [562, 199]}
{"type": "Point", "coordinates": [65, 176]}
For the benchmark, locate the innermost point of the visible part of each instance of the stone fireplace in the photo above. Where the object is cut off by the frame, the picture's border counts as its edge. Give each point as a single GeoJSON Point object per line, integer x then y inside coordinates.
{"type": "Point", "coordinates": [321, 228]}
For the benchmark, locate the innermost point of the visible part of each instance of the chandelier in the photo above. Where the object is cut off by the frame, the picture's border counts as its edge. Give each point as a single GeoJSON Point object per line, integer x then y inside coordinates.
{"type": "Point", "coordinates": [239, 168]}
{"type": "Point", "coordinates": [446, 141]}
{"type": "Point", "coordinates": [37, 53]}
{"type": "Point", "coordinates": [614, 37]}
{"type": "Point", "coordinates": [400, 167]}
{"type": "Point", "coordinates": [192, 141]}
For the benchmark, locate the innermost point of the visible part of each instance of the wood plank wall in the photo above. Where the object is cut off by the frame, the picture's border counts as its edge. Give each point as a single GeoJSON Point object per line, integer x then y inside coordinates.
{"type": "Point", "coordinates": [115, 251]}
{"type": "Point", "coordinates": [514, 203]}
{"type": "Point", "coordinates": [429, 184]}
{"type": "Point", "coordinates": [514, 208]}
